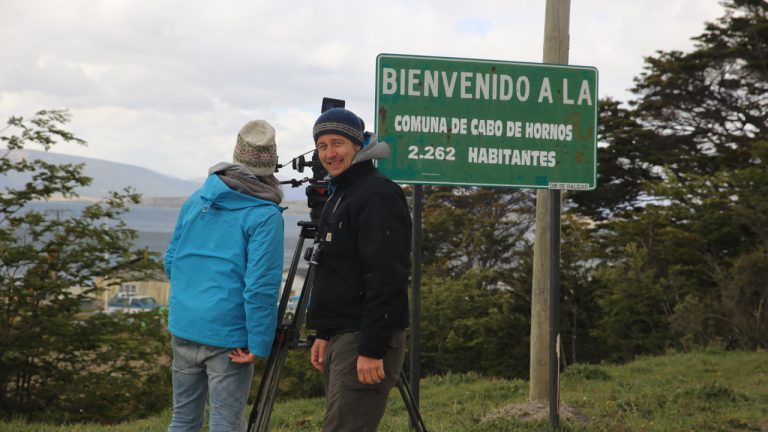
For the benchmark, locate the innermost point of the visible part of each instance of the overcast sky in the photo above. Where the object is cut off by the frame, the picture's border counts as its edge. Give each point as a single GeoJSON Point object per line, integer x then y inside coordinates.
{"type": "Point", "coordinates": [166, 84]}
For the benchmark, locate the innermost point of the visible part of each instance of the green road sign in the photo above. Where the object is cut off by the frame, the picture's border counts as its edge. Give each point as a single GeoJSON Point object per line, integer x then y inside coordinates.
{"type": "Point", "coordinates": [453, 121]}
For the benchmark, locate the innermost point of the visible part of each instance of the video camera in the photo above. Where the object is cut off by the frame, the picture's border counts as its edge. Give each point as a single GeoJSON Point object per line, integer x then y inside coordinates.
{"type": "Point", "coordinates": [317, 190]}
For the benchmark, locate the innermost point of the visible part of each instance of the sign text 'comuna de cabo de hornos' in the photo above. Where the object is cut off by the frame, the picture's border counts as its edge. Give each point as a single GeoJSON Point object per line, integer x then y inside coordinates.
{"type": "Point", "coordinates": [453, 121]}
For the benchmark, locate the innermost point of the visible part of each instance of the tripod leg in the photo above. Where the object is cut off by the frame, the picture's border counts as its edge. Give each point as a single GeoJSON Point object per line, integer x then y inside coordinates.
{"type": "Point", "coordinates": [261, 411]}
{"type": "Point", "coordinates": [265, 398]}
{"type": "Point", "coordinates": [410, 403]}
{"type": "Point", "coordinates": [266, 409]}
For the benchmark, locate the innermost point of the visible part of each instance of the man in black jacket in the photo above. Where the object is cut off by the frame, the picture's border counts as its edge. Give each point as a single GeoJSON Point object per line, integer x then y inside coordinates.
{"type": "Point", "coordinates": [359, 303]}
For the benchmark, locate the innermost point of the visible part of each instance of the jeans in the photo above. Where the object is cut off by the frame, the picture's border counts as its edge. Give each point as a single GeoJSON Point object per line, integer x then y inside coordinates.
{"type": "Point", "coordinates": [199, 371]}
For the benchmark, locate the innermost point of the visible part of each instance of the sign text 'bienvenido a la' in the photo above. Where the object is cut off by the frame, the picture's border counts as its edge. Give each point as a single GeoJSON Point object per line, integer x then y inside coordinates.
{"type": "Point", "coordinates": [455, 121]}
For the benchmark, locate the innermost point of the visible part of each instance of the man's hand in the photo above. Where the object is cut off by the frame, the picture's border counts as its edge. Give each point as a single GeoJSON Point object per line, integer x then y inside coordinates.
{"type": "Point", "coordinates": [370, 370]}
{"type": "Point", "coordinates": [242, 356]}
{"type": "Point", "coordinates": [317, 354]}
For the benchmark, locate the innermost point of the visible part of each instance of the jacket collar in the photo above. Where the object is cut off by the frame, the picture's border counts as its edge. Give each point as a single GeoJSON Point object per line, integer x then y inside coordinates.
{"type": "Point", "coordinates": [352, 174]}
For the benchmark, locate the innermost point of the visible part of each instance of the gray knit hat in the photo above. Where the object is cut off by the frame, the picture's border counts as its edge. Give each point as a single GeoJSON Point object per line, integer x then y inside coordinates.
{"type": "Point", "coordinates": [256, 148]}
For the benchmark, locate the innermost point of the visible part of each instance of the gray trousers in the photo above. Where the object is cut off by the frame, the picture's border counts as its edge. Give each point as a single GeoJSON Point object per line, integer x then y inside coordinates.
{"type": "Point", "coordinates": [349, 405]}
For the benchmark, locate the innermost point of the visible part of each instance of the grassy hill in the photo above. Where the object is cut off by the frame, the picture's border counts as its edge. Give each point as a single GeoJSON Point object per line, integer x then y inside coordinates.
{"type": "Point", "coordinates": [705, 391]}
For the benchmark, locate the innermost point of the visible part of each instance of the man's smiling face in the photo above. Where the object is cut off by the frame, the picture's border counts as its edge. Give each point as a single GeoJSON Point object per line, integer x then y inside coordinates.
{"type": "Point", "coordinates": [336, 153]}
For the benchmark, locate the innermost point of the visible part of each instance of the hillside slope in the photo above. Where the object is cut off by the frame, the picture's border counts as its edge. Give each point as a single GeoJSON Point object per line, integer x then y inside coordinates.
{"type": "Point", "coordinates": [107, 176]}
{"type": "Point", "coordinates": [705, 391]}
{"type": "Point", "coordinates": [155, 188]}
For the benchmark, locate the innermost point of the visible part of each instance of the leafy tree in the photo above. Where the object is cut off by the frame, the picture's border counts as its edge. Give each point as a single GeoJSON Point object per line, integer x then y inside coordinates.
{"type": "Point", "coordinates": [680, 204]}
{"type": "Point", "coordinates": [477, 279]}
{"type": "Point", "coordinates": [636, 305]}
{"type": "Point", "coordinates": [482, 229]}
{"type": "Point", "coordinates": [467, 326]}
{"type": "Point", "coordinates": [733, 226]}
{"type": "Point", "coordinates": [57, 363]}
{"type": "Point", "coordinates": [692, 267]}
{"type": "Point", "coordinates": [696, 113]}
{"type": "Point", "coordinates": [623, 165]}
{"type": "Point", "coordinates": [578, 308]}
{"type": "Point", "coordinates": [745, 299]}
{"type": "Point", "coordinates": [709, 105]}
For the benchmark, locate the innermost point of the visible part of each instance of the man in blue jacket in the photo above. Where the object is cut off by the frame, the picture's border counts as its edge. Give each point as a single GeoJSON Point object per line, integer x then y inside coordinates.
{"type": "Point", "coordinates": [359, 303]}
{"type": "Point", "coordinates": [225, 263]}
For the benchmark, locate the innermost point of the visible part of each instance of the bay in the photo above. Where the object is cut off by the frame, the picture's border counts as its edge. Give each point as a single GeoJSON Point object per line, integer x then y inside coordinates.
{"type": "Point", "coordinates": [154, 223]}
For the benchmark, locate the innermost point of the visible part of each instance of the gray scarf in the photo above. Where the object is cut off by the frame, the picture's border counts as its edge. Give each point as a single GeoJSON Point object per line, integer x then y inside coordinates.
{"type": "Point", "coordinates": [241, 179]}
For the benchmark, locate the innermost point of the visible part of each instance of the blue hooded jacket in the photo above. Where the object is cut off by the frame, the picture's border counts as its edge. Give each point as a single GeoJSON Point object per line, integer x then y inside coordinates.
{"type": "Point", "coordinates": [225, 262]}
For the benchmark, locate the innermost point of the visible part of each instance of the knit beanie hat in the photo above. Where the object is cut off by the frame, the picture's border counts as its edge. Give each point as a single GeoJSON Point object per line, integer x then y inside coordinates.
{"type": "Point", "coordinates": [340, 121]}
{"type": "Point", "coordinates": [256, 148]}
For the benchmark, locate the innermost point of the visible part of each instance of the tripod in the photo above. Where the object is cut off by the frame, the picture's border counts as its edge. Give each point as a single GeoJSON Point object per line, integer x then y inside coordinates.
{"type": "Point", "coordinates": [288, 336]}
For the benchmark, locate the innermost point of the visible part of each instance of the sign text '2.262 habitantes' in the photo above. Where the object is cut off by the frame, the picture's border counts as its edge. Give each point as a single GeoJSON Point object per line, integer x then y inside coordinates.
{"type": "Point", "coordinates": [454, 121]}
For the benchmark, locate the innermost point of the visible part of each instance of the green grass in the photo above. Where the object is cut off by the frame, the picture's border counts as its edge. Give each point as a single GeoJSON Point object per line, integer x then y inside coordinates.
{"type": "Point", "coordinates": [704, 391]}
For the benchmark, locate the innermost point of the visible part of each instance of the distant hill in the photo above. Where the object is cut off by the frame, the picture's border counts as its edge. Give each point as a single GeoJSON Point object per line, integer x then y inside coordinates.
{"type": "Point", "coordinates": [155, 188]}
{"type": "Point", "coordinates": [108, 176]}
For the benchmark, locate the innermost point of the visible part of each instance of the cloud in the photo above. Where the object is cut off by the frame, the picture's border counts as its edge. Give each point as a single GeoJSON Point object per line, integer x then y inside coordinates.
{"type": "Point", "coordinates": [166, 85]}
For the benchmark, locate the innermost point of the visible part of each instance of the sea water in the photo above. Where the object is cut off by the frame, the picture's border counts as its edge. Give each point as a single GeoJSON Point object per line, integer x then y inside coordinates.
{"type": "Point", "coordinates": [154, 224]}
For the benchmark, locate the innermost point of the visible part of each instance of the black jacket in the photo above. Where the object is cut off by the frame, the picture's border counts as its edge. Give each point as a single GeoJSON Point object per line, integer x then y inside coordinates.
{"type": "Point", "coordinates": [361, 282]}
